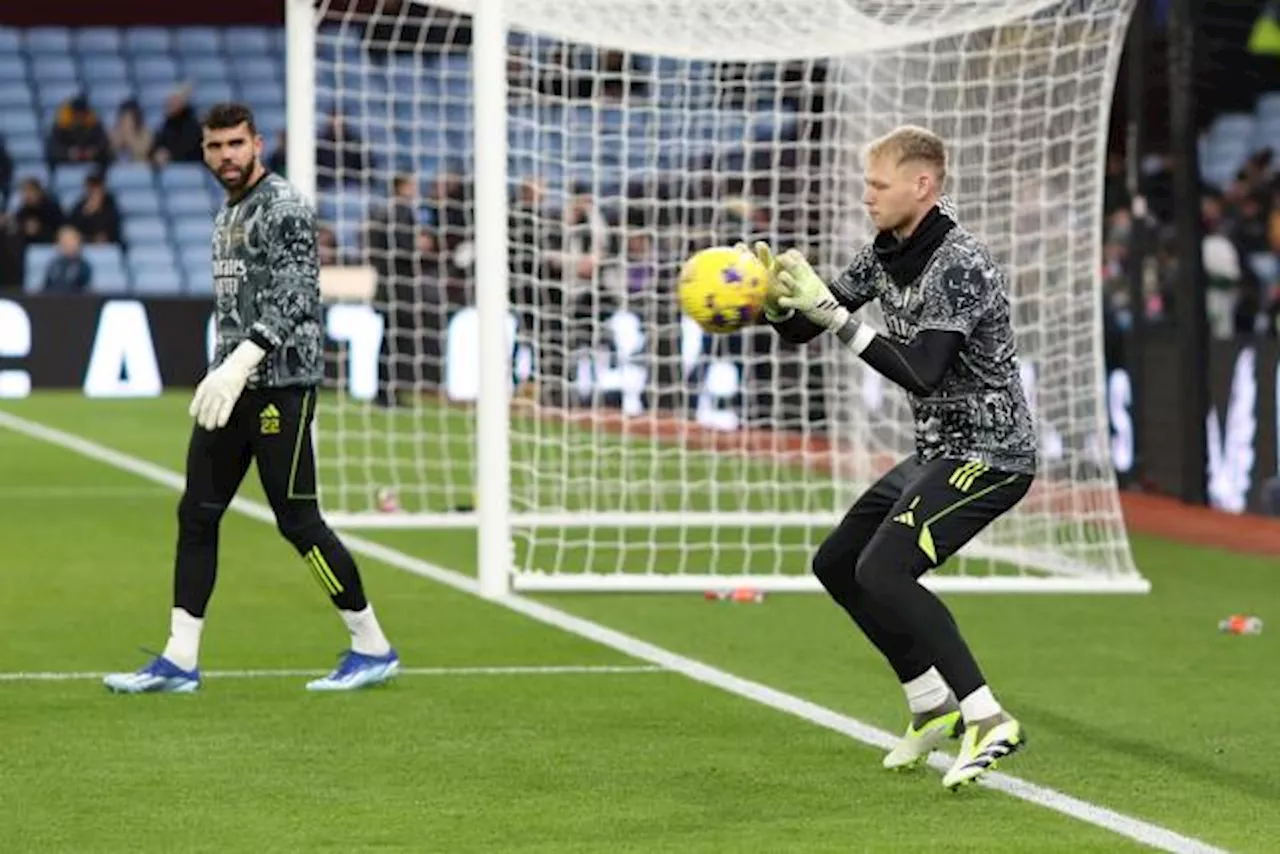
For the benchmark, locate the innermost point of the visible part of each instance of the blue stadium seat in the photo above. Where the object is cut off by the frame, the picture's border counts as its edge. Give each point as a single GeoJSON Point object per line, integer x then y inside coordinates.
{"type": "Point", "coordinates": [142, 230]}
{"type": "Point", "coordinates": [270, 122]}
{"type": "Point", "coordinates": [107, 96]}
{"type": "Point", "coordinates": [188, 203]}
{"type": "Point", "coordinates": [157, 281]}
{"type": "Point", "coordinates": [195, 255]}
{"type": "Point", "coordinates": [1268, 106]}
{"type": "Point", "coordinates": [191, 231]}
{"type": "Point", "coordinates": [204, 69]}
{"type": "Point", "coordinates": [155, 69]}
{"type": "Point", "coordinates": [14, 98]}
{"type": "Point", "coordinates": [68, 196]}
{"type": "Point", "coordinates": [138, 201]}
{"type": "Point", "coordinates": [22, 122]}
{"type": "Point", "coordinates": [246, 41]}
{"type": "Point", "coordinates": [10, 41]}
{"type": "Point", "coordinates": [12, 69]}
{"type": "Point", "coordinates": [48, 40]}
{"type": "Point", "coordinates": [70, 176]}
{"type": "Point", "coordinates": [1230, 126]}
{"type": "Point", "coordinates": [151, 98]}
{"type": "Point", "coordinates": [197, 41]}
{"type": "Point", "coordinates": [47, 69]}
{"type": "Point", "coordinates": [37, 169]}
{"type": "Point", "coordinates": [98, 69]}
{"type": "Point", "coordinates": [199, 280]}
{"type": "Point", "coordinates": [107, 271]}
{"type": "Point", "coordinates": [146, 41]}
{"type": "Point", "coordinates": [37, 261]}
{"type": "Point", "coordinates": [1266, 267]}
{"type": "Point", "coordinates": [51, 94]}
{"type": "Point", "coordinates": [1266, 133]}
{"type": "Point", "coordinates": [213, 91]}
{"type": "Point", "coordinates": [182, 176]}
{"type": "Point", "coordinates": [263, 97]}
{"type": "Point", "coordinates": [129, 176]}
{"type": "Point", "coordinates": [151, 255]}
{"type": "Point", "coordinates": [97, 40]}
{"type": "Point", "coordinates": [107, 260]}
{"type": "Point", "coordinates": [257, 69]}
{"type": "Point", "coordinates": [113, 285]}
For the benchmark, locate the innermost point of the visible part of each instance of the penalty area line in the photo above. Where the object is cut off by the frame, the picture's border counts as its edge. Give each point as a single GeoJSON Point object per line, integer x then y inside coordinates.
{"type": "Point", "coordinates": [1130, 827]}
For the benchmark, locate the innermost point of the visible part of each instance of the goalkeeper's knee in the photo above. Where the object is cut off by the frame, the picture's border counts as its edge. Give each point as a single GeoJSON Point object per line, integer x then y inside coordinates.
{"type": "Point", "coordinates": [833, 566]}
{"type": "Point", "coordinates": [889, 560]}
{"type": "Point", "coordinates": [301, 524]}
{"type": "Point", "coordinates": [198, 521]}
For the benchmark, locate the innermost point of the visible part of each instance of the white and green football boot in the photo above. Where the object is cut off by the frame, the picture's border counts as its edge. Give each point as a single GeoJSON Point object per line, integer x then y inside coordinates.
{"type": "Point", "coordinates": [983, 747]}
{"type": "Point", "coordinates": [924, 734]}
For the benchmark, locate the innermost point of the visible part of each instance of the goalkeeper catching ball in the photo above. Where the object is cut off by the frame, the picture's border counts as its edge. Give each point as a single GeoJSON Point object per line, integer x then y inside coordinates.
{"type": "Point", "coordinates": [949, 341]}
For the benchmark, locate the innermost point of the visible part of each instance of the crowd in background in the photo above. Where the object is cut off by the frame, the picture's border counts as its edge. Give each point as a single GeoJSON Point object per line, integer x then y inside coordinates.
{"type": "Point", "coordinates": [595, 249]}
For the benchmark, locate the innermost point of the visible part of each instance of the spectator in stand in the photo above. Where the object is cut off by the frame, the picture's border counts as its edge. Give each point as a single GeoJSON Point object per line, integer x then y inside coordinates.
{"type": "Point", "coordinates": [1222, 268]}
{"type": "Point", "coordinates": [340, 155]}
{"type": "Point", "coordinates": [639, 269]}
{"type": "Point", "coordinates": [278, 159]}
{"type": "Point", "coordinates": [12, 261]}
{"type": "Point", "coordinates": [95, 214]}
{"type": "Point", "coordinates": [77, 135]}
{"type": "Point", "coordinates": [6, 175]}
{"type": "Point", "coordinates": [178, 140]}
{"type": "Point", "coordinates": [452, 244]}
{"type": "Point", "coordinates": [38, 216]}
{"type": "Point", "coordinates": [327, 246]}
{"type": "Point", "coordinates": [68, 272]}
{"type": "Point", "coordinates": [131, 139]}
{"type": "Point", "coordinates": [393, 245]}
{"type": "Point", "coordinates": [1273, 223]}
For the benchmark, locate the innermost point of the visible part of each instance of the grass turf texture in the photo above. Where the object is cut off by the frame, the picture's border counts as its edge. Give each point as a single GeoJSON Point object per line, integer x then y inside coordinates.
{"type": "Point", "coordinates": [1134, 703]}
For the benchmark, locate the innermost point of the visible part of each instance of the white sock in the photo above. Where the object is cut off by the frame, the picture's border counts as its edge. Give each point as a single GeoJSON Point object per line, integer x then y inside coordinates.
{"type": "Point", "coordinates": [183, 646]}
{"type": "Point", "coordinates": [927, 691]}
{"type": "Point", "coordinates": [978, 705]}
{"type": "Point", "coordinates": [366, 635]}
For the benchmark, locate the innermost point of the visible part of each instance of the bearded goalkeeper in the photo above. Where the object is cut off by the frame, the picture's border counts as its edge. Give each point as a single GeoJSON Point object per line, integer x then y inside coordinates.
{"type": "Point", "coordinates": [950, 343]}
{"type": "Point", "coordinates": [257, 403]}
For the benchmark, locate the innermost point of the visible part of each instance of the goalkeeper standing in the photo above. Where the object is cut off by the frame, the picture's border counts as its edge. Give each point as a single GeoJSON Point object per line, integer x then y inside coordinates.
{"type": "Point", "coordinates": [257, 403]}
{"type": "Point", "coordinates": [950, 344]}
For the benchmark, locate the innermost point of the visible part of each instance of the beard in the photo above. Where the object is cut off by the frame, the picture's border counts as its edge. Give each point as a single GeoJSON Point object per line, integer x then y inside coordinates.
{"type": "Point", "coordinates": [240, 179]}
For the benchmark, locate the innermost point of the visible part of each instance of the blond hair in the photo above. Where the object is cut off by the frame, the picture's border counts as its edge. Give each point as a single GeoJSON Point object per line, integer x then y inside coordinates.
{"type": "Point", "coordinates": [910, 143]}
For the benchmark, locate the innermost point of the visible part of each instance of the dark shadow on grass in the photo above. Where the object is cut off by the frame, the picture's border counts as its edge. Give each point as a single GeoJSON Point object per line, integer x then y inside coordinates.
{"type": "Point", "coordinates": [1262, 783]}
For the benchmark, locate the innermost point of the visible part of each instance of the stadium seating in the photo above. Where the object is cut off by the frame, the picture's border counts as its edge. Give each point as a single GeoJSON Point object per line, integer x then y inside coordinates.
{"type": "Point", "coordinates": [41, 67]}
{"type": "Point", "coordinates": [167, 212]}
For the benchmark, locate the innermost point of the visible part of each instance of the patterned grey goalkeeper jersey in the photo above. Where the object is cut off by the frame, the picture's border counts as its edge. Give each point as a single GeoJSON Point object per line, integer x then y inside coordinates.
{"type": "Point", "coordinates": [266, 283]}
{"type": "Point", "coordinates": [979, 410]}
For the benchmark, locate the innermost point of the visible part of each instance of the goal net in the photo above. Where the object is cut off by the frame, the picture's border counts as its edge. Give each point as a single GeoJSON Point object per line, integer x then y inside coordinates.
{"type": "Point", "coordinates": [644, 455]}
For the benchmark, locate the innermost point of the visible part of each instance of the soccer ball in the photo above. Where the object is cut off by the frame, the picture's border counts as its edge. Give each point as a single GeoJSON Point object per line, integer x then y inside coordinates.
{"type": "Point", "coordinates": [723, 289]}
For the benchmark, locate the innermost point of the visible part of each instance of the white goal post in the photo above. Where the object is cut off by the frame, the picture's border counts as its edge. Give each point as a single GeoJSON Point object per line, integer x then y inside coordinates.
{"type": "Point", "coordinates": [511, 187]}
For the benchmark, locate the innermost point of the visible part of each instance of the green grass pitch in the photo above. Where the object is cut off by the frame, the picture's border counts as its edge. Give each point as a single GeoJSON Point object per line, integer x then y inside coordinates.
{"type": "Point", "coordinates": [519, 737]}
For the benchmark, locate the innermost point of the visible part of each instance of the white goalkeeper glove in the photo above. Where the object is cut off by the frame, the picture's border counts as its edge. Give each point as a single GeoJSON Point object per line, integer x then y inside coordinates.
{"type": "Point", "coordinates": [772, 310]}
{"type": "Point", "coordinates": [807, 293]}
{"type": "Point", "coordinates": [218, 392]}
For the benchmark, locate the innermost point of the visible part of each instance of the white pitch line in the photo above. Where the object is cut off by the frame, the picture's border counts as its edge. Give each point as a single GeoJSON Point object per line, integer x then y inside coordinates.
{"type": "Point", "coordinates": [531, 670]}
{"type": "Point", "coordinates": [1144, 832]}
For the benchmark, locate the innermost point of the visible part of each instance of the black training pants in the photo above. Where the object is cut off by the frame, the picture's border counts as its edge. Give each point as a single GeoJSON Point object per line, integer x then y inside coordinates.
{"type": "Point", "coordinates": [272, 427]}
{"type": "Point", "coordinates": [908, 522]}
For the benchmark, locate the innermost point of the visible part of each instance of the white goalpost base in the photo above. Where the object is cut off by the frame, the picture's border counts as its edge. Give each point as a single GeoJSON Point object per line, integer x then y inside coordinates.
{"type": "Point", "coordinates": [563, 157]}
{"type": "Point", "coordinates": [534, 582]}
